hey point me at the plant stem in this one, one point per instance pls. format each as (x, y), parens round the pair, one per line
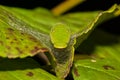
(65, 6)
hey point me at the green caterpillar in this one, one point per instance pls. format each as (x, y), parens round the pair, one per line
(60, 35)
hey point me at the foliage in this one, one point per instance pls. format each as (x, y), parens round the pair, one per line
(26, 33)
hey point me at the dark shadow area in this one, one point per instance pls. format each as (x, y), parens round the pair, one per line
(18, 64)
(97, 37)
(93, 5)
(88, 5)
(111, 26)
(30, 4)
(70, 76)
(23, 64)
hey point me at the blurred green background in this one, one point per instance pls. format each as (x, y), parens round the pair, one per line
(111, 26)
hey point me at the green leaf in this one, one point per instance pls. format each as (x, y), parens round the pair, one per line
(15, 38)
(23, 69)
(14, 43)
(101, 60)
(38, 24)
